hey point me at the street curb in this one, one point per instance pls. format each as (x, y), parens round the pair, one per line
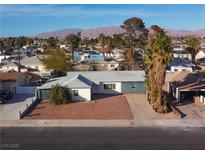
(103, 123)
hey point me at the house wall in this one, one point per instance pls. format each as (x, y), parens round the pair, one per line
(133, 87)
(83, 94)
(180, 69)
(177, 55)
(8, 85)
(117, 89)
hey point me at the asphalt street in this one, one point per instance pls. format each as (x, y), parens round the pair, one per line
(102, 138)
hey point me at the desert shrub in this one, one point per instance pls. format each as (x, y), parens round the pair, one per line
(58, 95)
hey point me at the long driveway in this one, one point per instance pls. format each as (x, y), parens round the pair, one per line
(102, 138)
(10, 110)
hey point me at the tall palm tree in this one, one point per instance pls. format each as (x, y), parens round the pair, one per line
(158, 54)
(194, 45)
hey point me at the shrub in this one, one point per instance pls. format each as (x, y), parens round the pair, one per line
(58, 95)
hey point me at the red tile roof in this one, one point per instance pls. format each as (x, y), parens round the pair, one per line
(10, 76)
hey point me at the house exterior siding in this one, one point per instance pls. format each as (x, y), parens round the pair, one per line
(133, 87)
(83, 94)
(102, 90)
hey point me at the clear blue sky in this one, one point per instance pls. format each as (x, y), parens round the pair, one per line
(18, 20)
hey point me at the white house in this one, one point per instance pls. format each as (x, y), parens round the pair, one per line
(181, 64)
(200, 55)
(3, 57)
(82, 85)
(33, 63)
(12, 66)
(181, 52)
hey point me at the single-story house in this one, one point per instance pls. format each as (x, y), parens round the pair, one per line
(82, 85)
(19, 83)
(185, 86)
(181, 64)
(33, 63)
(12, 66)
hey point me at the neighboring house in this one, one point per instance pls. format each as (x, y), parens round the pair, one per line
(27, 52)
(97, 66)
(3, 57)
(181, 64)
(47, 73)
(33, 63)
(181, 52)
(186, 86)
(19, 83)
(75, 56)
(91, 56)
(12, 66)
(82, 85)
(200, 55)
(106, 65)
(118, 54)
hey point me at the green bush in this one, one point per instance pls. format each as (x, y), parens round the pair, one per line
(58, 95)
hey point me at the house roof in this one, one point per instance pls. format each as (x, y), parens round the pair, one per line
(9, 76)
(84, 79)
(189, 81)
(181, 62)
(31, 61)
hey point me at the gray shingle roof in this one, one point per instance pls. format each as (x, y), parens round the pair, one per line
(81, 79)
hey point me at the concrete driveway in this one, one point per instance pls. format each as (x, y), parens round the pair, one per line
(142, 110)
(10, 110)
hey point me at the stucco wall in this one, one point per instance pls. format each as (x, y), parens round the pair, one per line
(83, 94)
(117, 89)
(180, 69)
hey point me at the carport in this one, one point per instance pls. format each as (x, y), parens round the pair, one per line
(186, 86)
(188, 95)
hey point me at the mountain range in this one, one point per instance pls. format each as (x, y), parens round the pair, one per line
(109, 31)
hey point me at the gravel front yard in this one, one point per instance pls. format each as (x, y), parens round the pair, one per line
(112, 107)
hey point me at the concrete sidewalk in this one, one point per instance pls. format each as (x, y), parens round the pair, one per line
(103, 123)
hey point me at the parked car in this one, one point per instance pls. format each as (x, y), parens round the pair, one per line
(5, 95)
(2, 101)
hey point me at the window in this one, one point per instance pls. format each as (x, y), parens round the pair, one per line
(175, 70)
(133, 85)
(183, 69)
(109, 86)
(75, 93)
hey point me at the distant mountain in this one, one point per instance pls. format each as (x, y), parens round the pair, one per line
(109, 31)
(95, 32)
(200, 32)
(58, 33)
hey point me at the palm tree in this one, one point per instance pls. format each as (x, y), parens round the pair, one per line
(158, 54)
(194, 45)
